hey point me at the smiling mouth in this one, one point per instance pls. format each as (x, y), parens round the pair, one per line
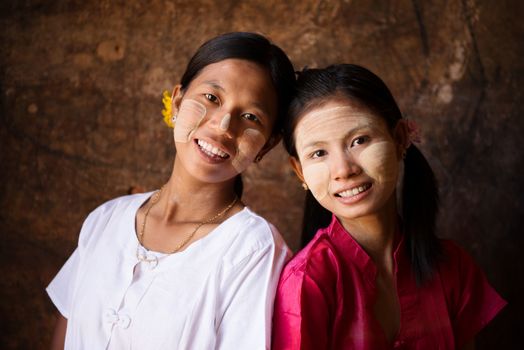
(211, 150)
(353, 191)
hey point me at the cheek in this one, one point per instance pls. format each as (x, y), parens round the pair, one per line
(317, 178)
(190, 115)
(224, 122)
(249, 144)
(379, 161)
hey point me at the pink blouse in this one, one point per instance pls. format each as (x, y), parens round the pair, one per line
(327, 291)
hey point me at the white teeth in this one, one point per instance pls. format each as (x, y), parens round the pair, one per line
(354, 191)
(209, 149)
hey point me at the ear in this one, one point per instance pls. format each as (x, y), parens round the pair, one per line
(401, 136)
(176, 98)
(272, 142)
(297, 168)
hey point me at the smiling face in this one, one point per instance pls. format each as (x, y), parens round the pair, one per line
(224, 119)
(348, 159)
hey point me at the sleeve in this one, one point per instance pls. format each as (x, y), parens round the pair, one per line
(246, 305)
(301, 319)
(60, 290)
(476, 302)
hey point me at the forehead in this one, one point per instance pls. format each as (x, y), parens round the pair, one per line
(236, 71)
(335, 120)
(245, 82)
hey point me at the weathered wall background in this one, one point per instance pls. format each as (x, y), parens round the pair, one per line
(80, 121)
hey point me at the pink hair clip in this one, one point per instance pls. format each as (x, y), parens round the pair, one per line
(413, 130)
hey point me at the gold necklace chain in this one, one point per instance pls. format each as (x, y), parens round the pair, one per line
(156, 197)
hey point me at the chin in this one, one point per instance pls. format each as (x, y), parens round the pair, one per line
(212, 176)
(353, 215)
(356, 211)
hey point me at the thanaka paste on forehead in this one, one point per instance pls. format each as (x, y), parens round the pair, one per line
(224, 122)
(189, 116)
(326, 124)
(378, 160)
(323, 125)
(249, 144)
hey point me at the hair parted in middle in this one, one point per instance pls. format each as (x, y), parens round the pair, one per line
(251, 47)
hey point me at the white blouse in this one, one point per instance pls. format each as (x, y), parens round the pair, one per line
(216, 294)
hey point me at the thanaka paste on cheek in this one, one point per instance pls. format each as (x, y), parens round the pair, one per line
(316, 176)
(224, 122)
(321, 126)
(249, 144)
(379, 161)
(189, 116)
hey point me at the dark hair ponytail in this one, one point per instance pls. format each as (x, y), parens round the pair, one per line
(238, 187)
(315, 217)
(419, 208)
(419, 197)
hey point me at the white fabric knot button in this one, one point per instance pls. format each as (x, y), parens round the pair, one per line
(143, 255)
(111, 316)
(124, 321)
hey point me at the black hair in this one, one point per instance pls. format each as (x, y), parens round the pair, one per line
(419, 195)
(251, 47)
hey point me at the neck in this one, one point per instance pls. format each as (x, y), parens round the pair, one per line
(186, 199)
(375, 233)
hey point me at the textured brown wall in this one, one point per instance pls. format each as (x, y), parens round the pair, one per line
(80, 121)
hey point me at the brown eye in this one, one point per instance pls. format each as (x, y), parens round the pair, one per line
(251, 117)
(359, 141)
(211, 97)
(318, 153)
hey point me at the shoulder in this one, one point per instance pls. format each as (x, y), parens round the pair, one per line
(310, 278)
(316, 261)
(460, 275)
(455, 258)
(472, 301)
(451, 248)
(108, 212)
(119, 204)
(250, 233)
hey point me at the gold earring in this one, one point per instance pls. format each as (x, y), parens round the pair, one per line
(304, 186)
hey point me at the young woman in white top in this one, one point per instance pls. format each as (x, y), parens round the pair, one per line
(188, 266)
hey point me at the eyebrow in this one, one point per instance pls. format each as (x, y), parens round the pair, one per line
(262, 108)
(350, 132)
(215, 84)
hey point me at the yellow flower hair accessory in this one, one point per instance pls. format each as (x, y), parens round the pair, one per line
(167, 112)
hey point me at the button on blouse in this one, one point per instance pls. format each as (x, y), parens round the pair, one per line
(116, 294)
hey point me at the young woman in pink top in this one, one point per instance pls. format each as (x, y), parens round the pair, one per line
(376, 276)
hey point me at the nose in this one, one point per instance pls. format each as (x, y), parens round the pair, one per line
(222, 123)
(343, 166)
